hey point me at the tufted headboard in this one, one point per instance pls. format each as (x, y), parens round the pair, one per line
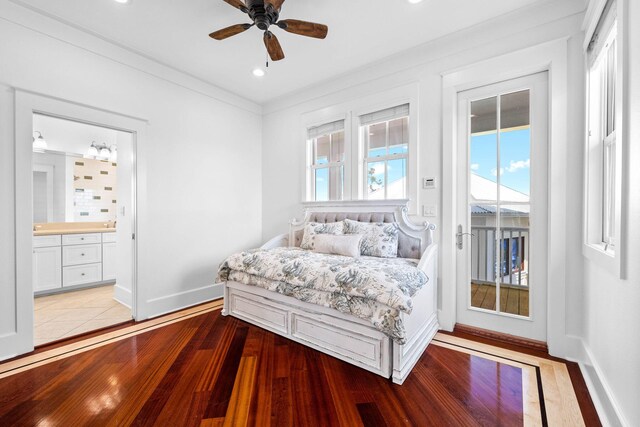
(413, 239)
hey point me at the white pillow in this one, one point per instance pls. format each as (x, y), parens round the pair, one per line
(346, 245)
(378, 239)
(312, 229)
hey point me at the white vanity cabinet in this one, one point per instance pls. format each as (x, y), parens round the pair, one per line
(70, 260)
(47, 268)
(109, 259)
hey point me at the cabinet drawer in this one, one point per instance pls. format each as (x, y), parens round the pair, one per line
(259, 312)
(81, 274)
(81, 254)
(109, 237)
(46, 241)
(81, 239)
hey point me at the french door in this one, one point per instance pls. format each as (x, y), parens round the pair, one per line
(502, 207)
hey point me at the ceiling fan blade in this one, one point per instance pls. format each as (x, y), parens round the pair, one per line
(230, 31)
(273, 46)
(309, 29)
(238, 4)
(277, 4)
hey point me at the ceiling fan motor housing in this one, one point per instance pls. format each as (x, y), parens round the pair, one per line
(261, 15)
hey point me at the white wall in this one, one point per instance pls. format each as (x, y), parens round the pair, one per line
(611, 314)
(283, 151)
(201, 155)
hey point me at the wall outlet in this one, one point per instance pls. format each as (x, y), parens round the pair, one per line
(428, 183)
(429, 210)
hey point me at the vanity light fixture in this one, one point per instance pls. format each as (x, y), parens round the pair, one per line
(39, 143)
(102, 150)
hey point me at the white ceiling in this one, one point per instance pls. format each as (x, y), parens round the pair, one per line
(175, 33)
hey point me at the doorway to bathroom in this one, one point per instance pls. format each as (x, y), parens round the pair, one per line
(82, 226)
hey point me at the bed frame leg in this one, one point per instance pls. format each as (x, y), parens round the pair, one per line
(225, 306)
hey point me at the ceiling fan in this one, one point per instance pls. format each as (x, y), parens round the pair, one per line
(265, 13)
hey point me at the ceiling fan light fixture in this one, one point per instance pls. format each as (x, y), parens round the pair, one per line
(258, 72)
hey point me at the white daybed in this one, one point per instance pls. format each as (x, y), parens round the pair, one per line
(342, 335)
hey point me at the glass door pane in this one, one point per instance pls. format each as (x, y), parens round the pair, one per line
(499, 186)
(515, 188)
(483, 197)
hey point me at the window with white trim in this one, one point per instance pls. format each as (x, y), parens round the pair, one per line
(327, 161)
(602, 60)
(384, 137)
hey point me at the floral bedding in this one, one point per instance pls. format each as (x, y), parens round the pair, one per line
(373, 289)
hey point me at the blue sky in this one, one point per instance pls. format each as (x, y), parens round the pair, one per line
(515, 154)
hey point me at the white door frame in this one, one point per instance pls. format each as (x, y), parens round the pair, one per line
(534, 326)
(551, 57)
(26, 104)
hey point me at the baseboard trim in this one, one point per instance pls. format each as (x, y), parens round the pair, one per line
(122, 295)
(506, 338)
(181, 300)
(606, 405)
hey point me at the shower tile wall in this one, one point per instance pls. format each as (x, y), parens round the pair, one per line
(94, 190)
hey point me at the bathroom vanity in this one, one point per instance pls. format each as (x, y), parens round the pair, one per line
(73, 255)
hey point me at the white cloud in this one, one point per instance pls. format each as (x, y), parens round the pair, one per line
(520, 164)
(513, 167)
(475, 166)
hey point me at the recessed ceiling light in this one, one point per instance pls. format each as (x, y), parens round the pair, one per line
(258, 72)
(414, 1)
(123, 1)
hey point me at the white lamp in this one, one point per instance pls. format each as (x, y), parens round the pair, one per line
(93, 150)
(39, 143)
(104, 152)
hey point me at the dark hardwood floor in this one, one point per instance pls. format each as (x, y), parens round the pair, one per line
(212, 370)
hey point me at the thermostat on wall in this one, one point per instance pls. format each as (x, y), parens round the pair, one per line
(428, 183)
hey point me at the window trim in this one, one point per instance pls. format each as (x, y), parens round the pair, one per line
(351, 112)
(594, 247)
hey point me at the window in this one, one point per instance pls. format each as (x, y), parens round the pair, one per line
(602, 160)
(363, 149)
(385, 151)
(326, 170)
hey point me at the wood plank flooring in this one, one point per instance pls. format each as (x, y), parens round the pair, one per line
(512, 300)
(204, 369)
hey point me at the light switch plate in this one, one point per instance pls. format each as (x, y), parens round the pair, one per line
(429, 210)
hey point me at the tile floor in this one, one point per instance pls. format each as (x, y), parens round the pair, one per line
(72, 313)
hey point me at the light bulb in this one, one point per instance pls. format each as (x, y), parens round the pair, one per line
(93, 151)
(39, 144)
(105, 152)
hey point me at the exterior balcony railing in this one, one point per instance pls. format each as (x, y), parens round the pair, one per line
(509, 259)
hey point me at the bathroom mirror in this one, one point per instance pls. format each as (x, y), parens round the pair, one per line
(74, 172)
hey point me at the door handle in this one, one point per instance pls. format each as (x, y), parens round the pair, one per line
(459, 235)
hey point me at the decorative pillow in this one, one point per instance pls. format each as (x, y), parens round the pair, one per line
(312, 229)
(338, 244)
(378, 238)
